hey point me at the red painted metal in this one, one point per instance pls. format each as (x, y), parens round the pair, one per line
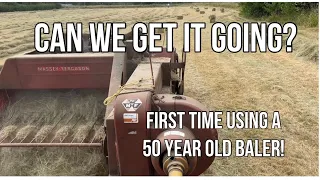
(129, 145)
(130, 136)
(170, 102)
(124, 141)
(57, 71)
(4, 99)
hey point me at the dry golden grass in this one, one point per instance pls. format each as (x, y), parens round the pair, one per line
(53, 116)
(225, 81)
(260, 81)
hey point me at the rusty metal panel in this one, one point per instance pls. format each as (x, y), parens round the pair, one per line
(68, 72)
(9, 78)
(57, 72)
(130, 136)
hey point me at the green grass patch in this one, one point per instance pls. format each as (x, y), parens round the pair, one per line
(302, 14)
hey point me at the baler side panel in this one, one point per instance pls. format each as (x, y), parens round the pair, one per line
(9, 77)
(64, 73)
(130, 136)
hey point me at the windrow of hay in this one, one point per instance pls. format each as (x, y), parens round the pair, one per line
(52, 115)
(305, 48)
(52, 162)
(45, 107)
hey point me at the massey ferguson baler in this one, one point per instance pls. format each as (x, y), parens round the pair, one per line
(127, 82)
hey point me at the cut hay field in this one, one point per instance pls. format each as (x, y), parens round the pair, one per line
(282, 82)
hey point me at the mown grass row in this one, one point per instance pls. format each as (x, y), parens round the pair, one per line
(13, 6)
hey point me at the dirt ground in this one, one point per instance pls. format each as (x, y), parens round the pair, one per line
(282, 82)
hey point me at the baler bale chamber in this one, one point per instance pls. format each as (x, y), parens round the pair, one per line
(84, 100)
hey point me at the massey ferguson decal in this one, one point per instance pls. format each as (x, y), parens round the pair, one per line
(131, 105)
(63, 68)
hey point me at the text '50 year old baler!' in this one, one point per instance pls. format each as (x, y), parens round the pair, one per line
(56, 100)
